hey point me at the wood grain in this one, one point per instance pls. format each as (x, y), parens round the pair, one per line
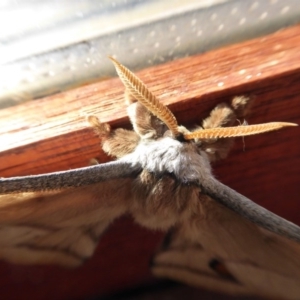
(51, 134)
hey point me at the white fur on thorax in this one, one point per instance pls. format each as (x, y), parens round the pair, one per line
(184, 160)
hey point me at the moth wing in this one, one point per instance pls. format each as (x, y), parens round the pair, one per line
(61, 227)
(221, 251)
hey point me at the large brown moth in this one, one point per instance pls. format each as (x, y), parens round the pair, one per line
(216, 238)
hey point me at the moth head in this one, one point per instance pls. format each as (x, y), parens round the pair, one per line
(138, 90)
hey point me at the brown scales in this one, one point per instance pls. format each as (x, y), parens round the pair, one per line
(211, 243)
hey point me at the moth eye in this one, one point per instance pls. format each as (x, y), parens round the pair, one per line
(220, 268)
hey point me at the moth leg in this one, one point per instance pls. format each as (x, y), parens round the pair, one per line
(221, 116)
(144, 123)
(103, 130)
(93, 162)
(117, 142)
(226, 115)
(242, 105)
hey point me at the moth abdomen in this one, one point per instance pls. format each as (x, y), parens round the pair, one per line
(160, 202)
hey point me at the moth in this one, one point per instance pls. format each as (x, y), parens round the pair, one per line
(216, 238)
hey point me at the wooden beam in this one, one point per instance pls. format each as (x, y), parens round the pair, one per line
(51, 133)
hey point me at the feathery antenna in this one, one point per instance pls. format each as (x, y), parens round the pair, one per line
(227, 132)
(140, 92)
